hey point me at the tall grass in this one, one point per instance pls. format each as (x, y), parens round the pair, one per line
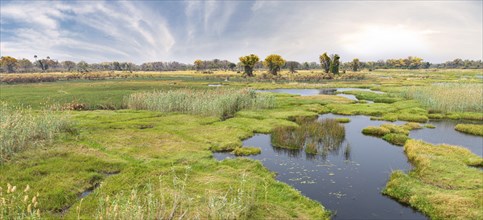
(162, 202)
(21, 129)
(313, 136)
(449, 97)
(221, 102)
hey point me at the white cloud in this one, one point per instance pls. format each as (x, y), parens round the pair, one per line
(298, 30)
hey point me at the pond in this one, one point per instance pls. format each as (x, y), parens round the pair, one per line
(349, 182)
(325, 91)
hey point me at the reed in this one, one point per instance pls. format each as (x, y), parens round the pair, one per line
(221, 102)
(313, 136)
(21, 129)
(448, 97)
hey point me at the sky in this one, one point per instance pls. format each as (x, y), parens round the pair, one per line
(148, 31)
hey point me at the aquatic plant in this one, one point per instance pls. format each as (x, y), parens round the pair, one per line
(448, 97)
(431, 126)
(475, 129)
(315, 136)
(22, 128)
(246, 151)
(220, 102)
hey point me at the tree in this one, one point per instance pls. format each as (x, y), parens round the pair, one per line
(355, 65)
(24, 64)
(306, 66)
(9, 63)
(292, 65)
(232, 66)
(334, 65)
(248, 62)
(82, 67)
(274, 62)
(198, 65)
(325, 62)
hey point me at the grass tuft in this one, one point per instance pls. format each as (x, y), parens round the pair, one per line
(246, 151)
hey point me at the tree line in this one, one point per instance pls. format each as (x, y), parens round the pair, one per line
(247, 64)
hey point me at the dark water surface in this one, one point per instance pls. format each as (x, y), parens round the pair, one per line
(348, 184)
(444, 133)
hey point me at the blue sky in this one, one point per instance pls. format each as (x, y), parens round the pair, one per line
(143, 31)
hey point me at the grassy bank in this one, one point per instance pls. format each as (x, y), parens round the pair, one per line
(475, 129)
(443, 183)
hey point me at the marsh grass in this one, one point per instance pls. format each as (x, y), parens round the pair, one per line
(394, 134)
(443, 183)
(448, 97)
(18, 203)
(313, 136)
(21, 129)
(221, 102)
(246, 151)
(475, 129)
(175, 202)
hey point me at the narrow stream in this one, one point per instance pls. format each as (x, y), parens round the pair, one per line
(349, 182)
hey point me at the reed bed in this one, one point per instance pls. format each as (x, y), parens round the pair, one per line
(449, 97)
(220, 102)
(21, 129)
(313, 136)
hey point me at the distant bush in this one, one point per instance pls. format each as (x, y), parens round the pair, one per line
(221, 102)
(21, 129)
(353, 75)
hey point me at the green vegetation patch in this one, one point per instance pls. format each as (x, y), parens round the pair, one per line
(443, 183)
(246, 151)
(475, 129)
(394, 134)
(375, 97)
(343, 120)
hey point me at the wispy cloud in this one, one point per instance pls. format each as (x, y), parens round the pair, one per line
(141, 31)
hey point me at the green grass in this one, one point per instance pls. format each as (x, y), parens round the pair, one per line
(121, 142)
(343, 120)
(442, 184)
(246, 151)
(394, 134)
(475, 129)
(222, 103)
(375, 97)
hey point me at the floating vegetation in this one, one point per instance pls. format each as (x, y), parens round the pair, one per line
(315, 137)
(343, 120)
(429, 126)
